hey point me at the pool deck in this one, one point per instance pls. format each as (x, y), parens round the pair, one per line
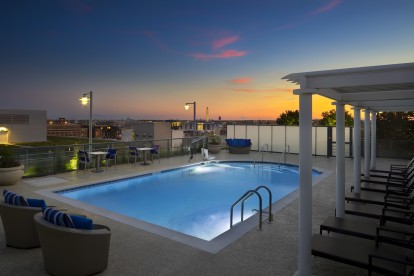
(272, 251)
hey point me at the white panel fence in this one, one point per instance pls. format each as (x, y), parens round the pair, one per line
(280, 138)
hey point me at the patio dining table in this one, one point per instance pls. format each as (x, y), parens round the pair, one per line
(144, 150)
(98, 160)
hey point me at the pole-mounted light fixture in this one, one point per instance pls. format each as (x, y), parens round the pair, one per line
(84, 100)
(187, 106)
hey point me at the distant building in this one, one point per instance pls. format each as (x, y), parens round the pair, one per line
(151, 131)
(63, 128)
(20, 126)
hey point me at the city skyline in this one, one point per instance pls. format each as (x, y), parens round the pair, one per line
(146, 59)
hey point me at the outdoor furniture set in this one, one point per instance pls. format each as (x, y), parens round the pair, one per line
(383, 241)
(71, 244)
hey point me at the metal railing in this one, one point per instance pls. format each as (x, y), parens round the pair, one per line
(46, 160)
(245, 197)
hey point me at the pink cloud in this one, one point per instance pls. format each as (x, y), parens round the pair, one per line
(224, 41)
(241, 80)
(327, 7)
(224, 54)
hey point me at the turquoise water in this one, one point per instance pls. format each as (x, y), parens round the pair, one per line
(194, 200)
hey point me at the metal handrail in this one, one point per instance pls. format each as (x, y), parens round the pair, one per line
(240, 199)
(194, 141)
(261, 150)
(270, 202)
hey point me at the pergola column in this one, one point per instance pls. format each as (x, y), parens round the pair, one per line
(340, 159)
(373, 139)
(367, 147)
(305, 186)
(357, 149)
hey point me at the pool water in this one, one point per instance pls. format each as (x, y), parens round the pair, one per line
(194, 200)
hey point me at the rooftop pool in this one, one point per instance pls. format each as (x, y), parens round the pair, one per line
(190, 204)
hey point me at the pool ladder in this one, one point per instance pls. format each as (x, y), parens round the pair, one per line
(245, 197)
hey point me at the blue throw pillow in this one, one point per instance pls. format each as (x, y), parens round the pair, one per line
(14, 199)
(33, 202)
(82, 222)
(58, 217)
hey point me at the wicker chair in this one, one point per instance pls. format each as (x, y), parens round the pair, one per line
(19, 226)
(68, 251)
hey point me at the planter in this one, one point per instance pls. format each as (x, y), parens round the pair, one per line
(214, 148)
(9, 176)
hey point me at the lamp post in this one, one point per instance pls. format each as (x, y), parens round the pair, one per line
(84, 100)
(187, 106)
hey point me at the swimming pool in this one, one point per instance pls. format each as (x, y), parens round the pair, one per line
(194, 200)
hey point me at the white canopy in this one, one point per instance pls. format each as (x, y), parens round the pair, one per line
(375, 89)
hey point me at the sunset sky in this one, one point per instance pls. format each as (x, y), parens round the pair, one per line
(145, 59)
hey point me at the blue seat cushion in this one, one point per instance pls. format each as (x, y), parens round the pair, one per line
(241, 143)
(57, 217)
(33, 202)
(81, 222)
(14, 199)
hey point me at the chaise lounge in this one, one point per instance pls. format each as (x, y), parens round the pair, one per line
(239, 146)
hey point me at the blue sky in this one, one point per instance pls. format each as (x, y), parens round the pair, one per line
(145, 59)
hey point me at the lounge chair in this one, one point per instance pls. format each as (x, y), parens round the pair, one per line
(390, 199)
(19, 226)
(110, 157)
(381, 213)
(388, 260)
(398, 168)
(68, 251)
(397, 234)
(394, 175)
(384, 186)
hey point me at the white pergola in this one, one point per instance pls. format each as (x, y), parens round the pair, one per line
(372, 89)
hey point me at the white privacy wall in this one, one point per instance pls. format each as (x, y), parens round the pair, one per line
(286, 138)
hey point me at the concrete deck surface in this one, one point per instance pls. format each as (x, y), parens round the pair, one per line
(272, 251)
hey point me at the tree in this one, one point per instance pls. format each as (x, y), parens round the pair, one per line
(395, 125)
(329, 118)
(288, 118)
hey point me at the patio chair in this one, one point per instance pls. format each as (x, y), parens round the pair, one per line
(110, 157)
(392, 198)
(155, 151)
(133, 153)
(17, 213)
(397, 234)
(388, 260)
(83, 158)
(382, 213)
(69, 251)
(384, 186)
(398, 168)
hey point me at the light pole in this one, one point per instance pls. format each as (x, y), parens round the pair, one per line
(187, 106)
(84, 100)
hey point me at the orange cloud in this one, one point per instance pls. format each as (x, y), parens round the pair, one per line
(329, 6)
(241, 80)
(225, 54)
(224, 41)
